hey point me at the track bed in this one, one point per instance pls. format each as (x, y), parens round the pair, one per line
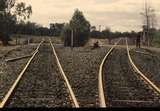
(149, 62)
(42, 84)
(123, 88)
(81, 66)
(9, 71)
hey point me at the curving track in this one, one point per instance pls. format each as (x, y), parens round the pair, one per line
(81, 67)
(148, 62)
(124, 85)
(140, 74)
(102, 100)
(43, 83)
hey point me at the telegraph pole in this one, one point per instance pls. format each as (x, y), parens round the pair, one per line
(146, 26)
(147, 21)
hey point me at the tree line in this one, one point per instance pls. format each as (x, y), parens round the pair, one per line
(13, 20)
(56, 29)
(108, 34)
(31, 28)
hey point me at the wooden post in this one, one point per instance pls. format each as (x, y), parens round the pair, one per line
(16, 40)
(28, 41)
(72, 39)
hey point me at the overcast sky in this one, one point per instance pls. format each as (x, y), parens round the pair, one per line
(119, 15)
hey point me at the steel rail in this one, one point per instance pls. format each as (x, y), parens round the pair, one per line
(150, 83)
(144, 53)
(5, 54)
(100, 78)
(17, 58)
(73, 97)
(11, 90)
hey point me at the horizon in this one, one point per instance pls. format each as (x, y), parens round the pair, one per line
(118, 15)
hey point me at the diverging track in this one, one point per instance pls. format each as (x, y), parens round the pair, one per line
(102, 100)
(142, 76)
(123, 85)
(147, 61)
(40, 84)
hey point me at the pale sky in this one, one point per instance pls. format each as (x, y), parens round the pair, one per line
(119, 15)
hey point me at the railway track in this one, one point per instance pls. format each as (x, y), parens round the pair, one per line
(6, 53)
(141, 75)
(81, 66)
(150, 66)
(12, 64)
(40, 83)
(72, 95)
(102, 100)
(121, 84)
(15, 54)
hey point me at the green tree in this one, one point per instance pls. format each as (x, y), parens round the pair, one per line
(22, 11)
(8, 17)
(80, 28)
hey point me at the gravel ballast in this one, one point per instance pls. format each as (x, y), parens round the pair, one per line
(9, 71)
(148, 62)
(42, 84)
(123, 86)
(81, 66)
